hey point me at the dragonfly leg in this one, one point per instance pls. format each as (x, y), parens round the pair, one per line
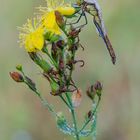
(86, 21)
(75, 22)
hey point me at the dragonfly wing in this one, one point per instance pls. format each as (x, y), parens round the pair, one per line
(96, 12)
(106, 40)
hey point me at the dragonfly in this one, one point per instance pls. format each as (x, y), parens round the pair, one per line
(92, 7)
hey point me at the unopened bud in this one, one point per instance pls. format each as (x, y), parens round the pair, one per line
(19, 67)
(41, 62)
(16, 76)
(76, 98)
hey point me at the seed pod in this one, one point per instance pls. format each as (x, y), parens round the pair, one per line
(90, 93)
(61, 64)
(89, 115)
(97, 88)
(94, 90)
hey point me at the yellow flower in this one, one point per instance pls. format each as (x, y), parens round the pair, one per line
(59, 5)
(31, 36)
(49, 22)
(48, 17)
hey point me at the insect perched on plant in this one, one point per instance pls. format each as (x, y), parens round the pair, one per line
(92, 7)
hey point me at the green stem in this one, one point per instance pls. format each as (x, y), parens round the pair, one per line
(64, 31)
(65, 101)
(73, 117)
(53, 61)
(46, 104)
(87, 122)
(44, 101)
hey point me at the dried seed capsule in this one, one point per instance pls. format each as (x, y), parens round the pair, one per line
(97, 88)
(90, 93)
(74, 33)
(76, 98)
(59, 19)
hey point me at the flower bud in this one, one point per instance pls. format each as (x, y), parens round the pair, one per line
(19, 67)
(76, 98)
(41, 62)
(16, 76)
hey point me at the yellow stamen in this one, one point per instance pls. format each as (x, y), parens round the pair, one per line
(31, 36)
(48, 18)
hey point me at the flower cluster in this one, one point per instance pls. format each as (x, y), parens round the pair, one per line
(32, 33)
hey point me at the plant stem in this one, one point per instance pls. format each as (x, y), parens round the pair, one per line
(65, 101)
(87, 122)
(73, 117)
(53, 61)
(44, 101)
(46, 104)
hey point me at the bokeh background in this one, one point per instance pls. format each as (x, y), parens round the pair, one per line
(22, 117)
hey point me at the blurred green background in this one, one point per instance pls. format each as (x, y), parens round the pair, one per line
(21, 115)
